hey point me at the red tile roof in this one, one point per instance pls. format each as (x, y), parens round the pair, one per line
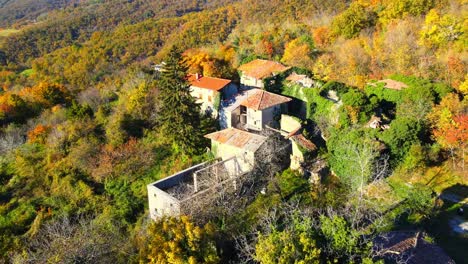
(238, 138)
(261, 99)
(260, 69)
(210, 83)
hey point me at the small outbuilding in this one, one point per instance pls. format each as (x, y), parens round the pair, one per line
(255, 72)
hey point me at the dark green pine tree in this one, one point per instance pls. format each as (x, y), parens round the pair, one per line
(179, 114)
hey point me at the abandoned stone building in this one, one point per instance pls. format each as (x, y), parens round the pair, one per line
(231, 142)
(184, 191)
(300, 79)
(187, 190)
(253, 110)
(255, 72)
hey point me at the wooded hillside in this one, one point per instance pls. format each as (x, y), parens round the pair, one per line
(83, 128)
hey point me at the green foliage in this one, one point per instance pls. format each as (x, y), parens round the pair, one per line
(420, 200)
(383, 93)
(179, 114)
(396, 9)
(349, 23)
(79, 111)
(416, 157)
(291, 183)
(403, 133)
(357, 106)
(293, 245)
(353, 155)
(337, 231)
(125, 205)
(217, 101)
(316, 106)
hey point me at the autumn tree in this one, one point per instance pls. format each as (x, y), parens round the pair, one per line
(76, 240)
(178, 240)
(440, 30)
(449, 123)
(50, 94)
(350, 22)
(321, 36)
(214, 65)
(396, 9)
(13, 108)
(294, 244)
(38, 134)
(179, 114)
(298, 52)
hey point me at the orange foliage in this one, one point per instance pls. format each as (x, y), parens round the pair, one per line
(130, 158)
(321, 36)
(457, 133)
(46, 94)
(456, 69)
(38, 134)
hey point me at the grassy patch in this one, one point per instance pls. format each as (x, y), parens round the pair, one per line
(7, 32)
(27, 72)
(437, 178)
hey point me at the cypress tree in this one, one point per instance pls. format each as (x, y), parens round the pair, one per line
(179, 114)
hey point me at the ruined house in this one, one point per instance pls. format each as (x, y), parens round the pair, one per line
(186, 191)
(375, 122)
(300, 79)
(231, 142)
(254, 109)
(409, 247)
(189, 190)
(255, 72)
(291, 129)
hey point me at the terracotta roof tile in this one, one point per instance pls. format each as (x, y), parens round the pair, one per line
(262, 99)
(260, 69)
(238, 138)
(210, 83)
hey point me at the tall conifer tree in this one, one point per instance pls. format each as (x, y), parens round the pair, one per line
(179, 113)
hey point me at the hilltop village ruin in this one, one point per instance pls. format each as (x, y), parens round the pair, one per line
(245, 113)
(248, 115)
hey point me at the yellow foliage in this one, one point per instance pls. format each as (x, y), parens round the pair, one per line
(464, 86)
(178, 240)
(440, 30)
(298, 53)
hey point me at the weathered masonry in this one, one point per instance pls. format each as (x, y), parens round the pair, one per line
(254, 109)
(188, 190)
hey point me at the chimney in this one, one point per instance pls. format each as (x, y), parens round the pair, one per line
(197, 76)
